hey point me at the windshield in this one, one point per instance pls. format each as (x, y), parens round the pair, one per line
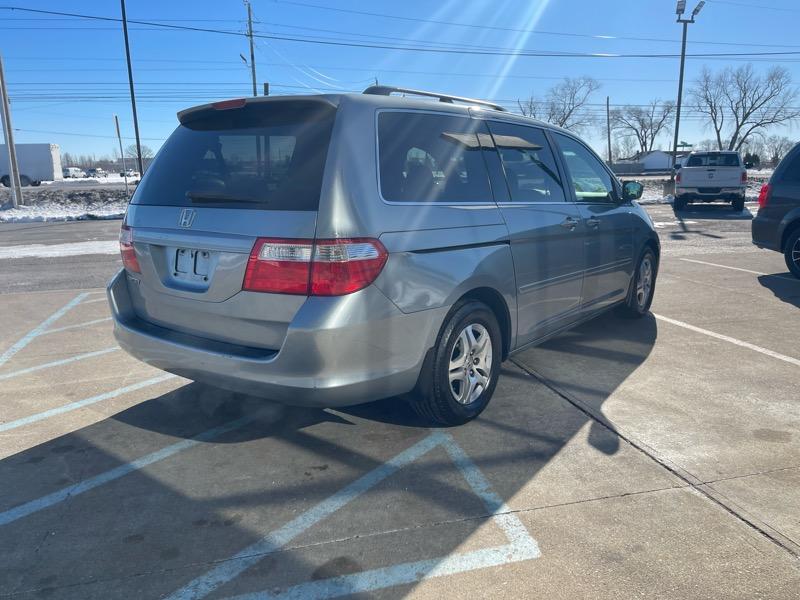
(264, 155)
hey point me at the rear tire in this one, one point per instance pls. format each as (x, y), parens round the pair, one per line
(791, 253)
(738, 205)
(643, 285)
(679, 204)
(5, 180)
(465, 367)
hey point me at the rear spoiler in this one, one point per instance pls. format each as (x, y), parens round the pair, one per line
(195, 112)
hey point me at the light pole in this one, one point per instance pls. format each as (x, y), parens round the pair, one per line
(679, 10)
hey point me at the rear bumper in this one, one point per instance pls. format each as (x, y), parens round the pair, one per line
(766, 232)
(338, 351)
(693, 193)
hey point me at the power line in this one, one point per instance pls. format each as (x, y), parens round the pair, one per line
(408, 48)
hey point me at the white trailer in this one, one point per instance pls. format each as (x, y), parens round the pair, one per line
(37, 163)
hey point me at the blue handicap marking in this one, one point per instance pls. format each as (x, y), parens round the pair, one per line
(521, 546)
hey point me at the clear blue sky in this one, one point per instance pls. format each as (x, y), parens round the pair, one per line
(67, 76)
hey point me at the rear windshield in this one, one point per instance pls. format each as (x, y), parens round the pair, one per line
(713, 160)
(265, 155)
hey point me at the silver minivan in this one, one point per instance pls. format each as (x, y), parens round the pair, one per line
(331, 250)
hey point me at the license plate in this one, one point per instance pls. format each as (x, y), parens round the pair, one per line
(192, 264)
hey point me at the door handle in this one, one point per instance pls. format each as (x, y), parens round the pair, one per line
(570, 223)
(593, 222)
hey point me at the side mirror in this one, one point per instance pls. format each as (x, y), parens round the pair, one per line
(632, 190)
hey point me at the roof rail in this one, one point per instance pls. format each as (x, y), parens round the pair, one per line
(387, 90)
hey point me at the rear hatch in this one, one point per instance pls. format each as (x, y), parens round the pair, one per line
(231, 173)
(712, 171)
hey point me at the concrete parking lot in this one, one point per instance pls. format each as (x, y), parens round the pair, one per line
(656, 458)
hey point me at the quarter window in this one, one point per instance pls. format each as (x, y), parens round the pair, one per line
(431, 158)
(528, 163)
(591, 181)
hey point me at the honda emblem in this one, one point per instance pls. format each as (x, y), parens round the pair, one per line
(187, 217)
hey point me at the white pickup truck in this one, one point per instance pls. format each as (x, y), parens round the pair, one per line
(710, 176)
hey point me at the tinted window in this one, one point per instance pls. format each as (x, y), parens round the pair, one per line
(713, 159)
(268, 155)
(589, 177)
(792, 170)
(528, 162)
(431, 158)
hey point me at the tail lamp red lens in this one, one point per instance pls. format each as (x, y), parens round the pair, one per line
(744, 176)
(126, 249)
(313, 268)
(678, 177)
(763, 195)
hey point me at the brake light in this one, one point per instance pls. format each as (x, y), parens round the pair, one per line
(229, 104)
(126, 249)
(322, 268)
(744, 176)
(763, 195)
(678, 177)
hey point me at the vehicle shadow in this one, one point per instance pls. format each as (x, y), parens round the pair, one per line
(716, 211)
(197, 506)
(785, 286)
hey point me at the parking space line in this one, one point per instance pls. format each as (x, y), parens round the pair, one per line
(76, 326)
(28, 508)
(710, 264)
(82, 403)
(771, 353)
(247, 557)
(57, 363)
(40, 328)
(103, 299)
(521, 547)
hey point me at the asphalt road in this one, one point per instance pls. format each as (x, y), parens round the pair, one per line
(655, 458)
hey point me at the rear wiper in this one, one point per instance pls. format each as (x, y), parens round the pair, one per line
(217, 197)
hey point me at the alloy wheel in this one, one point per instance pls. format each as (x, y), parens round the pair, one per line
(470, 366)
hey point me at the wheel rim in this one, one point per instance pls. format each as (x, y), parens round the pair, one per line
(796, 253)
(470, 364)
(645, 282)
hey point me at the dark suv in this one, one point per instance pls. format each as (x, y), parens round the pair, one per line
(777, 224)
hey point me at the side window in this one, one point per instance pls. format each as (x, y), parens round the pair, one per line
(528, 163)
(431, 158)
(589, 178)
(792, 172)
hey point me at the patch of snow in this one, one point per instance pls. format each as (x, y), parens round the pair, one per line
(58, 250)
(55, 211)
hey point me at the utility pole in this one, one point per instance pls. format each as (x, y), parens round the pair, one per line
(679, 9)
(5, 115)
(252, 51)
(133, 94)
(608, 126)
(122, 156)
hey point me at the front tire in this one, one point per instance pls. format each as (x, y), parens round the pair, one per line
(643, 285)
(465, 367)
(792, 253)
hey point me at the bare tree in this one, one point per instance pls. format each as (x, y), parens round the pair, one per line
(740, 102)
(130, 151)
(707, 144)
(564, 104)
(645, 123)
(776, 147)
(624, 146)
(528, 107)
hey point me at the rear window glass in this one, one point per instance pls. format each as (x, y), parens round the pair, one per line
(713, 160)
(431, 158)
(264, 155)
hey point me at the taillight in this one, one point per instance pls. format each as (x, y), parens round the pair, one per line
(678, 177)
(322, 268)
(744, 176)
(129, 260)
(763, 195)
